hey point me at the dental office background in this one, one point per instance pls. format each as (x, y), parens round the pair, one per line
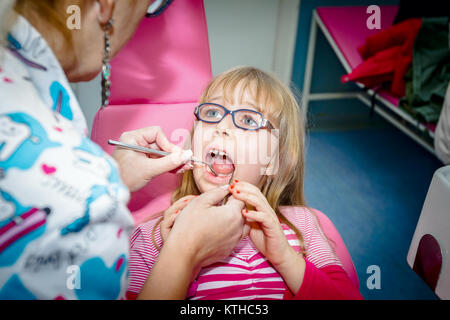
(273, 35)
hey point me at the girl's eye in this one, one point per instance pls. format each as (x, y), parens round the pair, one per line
(212, 113)
(249, 121)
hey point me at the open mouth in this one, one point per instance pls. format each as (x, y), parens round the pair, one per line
(220, 161)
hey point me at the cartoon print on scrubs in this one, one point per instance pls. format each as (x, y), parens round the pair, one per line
(97, 279)
(14, 289)
(22, 140)
(62, 202)
(92, 158)
(60, 99)
(19, 226)
(28, 46)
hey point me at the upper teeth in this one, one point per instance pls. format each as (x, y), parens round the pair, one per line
(217, 152)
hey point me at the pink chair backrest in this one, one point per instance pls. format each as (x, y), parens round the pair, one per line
(156, 80)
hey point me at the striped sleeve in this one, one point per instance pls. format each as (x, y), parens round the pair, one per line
(143, 254)
(324, 276)
(318, 249)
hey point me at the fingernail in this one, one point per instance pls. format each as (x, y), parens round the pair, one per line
(177, 211)
(186, 155)
(232, 186)
(236, 180)
(246, 210)
(237, 191)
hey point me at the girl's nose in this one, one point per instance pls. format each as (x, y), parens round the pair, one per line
(225, 126)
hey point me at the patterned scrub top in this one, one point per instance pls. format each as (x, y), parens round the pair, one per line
(64, 223)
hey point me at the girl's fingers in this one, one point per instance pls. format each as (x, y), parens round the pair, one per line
(251, 195)
(266, 220)
(171, 214)
(178, 205)
(254, 216)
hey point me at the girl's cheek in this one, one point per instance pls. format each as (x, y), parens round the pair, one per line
(254, 152)
(249, 173)
(253, 149)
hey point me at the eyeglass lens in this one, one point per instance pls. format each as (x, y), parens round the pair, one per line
(157, 7)
(245, 119)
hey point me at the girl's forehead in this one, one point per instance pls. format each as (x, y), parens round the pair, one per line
(235, 99)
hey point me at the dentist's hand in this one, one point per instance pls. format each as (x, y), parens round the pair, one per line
(137, 168)
(201, 234)
(171, 213)
(208, 232)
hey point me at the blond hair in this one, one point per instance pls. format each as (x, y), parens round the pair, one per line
(279, 104)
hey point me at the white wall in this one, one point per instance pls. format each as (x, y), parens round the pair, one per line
(259, 33)
(89, 96)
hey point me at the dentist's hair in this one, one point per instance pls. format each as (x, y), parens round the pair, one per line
(50, 14)
(279, 104)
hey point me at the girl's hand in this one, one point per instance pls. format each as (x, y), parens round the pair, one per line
(265, 229)
(268, 236)
(171, 214)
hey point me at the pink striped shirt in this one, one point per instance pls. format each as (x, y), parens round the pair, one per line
(246, 273)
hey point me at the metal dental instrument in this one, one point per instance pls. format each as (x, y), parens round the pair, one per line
(153, 151)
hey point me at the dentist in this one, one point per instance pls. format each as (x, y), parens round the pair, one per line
(64, 223)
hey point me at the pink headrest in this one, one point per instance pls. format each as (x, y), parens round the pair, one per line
(167, 60)
(156, 80)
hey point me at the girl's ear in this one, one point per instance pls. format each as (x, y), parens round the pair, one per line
(105, 10)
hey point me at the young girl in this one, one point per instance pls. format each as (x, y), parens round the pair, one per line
(250, 129)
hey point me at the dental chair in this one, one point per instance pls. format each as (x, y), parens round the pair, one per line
(156, 80)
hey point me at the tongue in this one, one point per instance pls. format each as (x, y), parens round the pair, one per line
(223, 168)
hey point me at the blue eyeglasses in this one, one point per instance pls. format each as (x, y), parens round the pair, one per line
(245, 119)
(157, 7)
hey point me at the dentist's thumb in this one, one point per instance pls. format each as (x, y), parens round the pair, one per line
(212, 197)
